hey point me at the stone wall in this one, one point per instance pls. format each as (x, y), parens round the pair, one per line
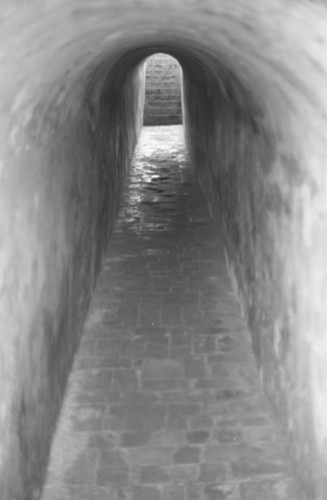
(71, 101)
(162, 91)
(60, 190)
(259, 189)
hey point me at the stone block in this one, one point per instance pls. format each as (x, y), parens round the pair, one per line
(274, 489)
(154, 474)
(124, 380)
(112, 477)
(162, 369)
(146, 493)
(213, 473)
(132, 439)
(158, 455)
(81, 470)
(187, 455)
(221, 492)
(184, 473)
(195, 367)
(174, 492)
(197, 437)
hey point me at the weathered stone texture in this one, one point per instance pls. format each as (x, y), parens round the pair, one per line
(163, 439)
(163, 97)
(71, 102)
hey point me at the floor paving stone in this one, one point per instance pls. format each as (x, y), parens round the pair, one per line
(163, 402)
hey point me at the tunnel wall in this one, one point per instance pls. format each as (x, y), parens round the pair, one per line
(258, 190)
(58, 207)
(50, 135)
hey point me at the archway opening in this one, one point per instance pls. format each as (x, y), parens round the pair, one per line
(163, 94)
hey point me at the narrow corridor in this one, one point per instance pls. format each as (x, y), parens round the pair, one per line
(164, 401)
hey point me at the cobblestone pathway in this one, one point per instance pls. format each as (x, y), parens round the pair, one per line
(163, 402)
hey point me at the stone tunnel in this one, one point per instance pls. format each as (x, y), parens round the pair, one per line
(254, 110)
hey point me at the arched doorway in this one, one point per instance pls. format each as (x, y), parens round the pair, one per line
(163, 96)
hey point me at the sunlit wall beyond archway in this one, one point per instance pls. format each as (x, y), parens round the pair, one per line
(163, 96)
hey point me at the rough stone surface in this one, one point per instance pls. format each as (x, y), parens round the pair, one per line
(166, 435)
(163, 96)
(254, 74)
(256, 195)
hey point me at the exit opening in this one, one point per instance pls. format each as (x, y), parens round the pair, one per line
(163, 95)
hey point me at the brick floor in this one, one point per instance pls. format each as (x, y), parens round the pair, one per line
(163, 401)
